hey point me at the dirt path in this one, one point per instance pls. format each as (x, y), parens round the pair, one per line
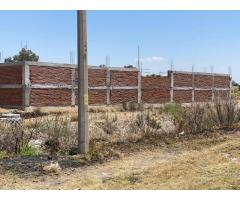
(93, 177)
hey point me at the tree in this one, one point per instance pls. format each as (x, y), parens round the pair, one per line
(23, 55)
(234, 83)
(128, 66)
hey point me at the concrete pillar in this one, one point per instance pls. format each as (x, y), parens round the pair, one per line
(230, 92)
(171, 86)
(108, 89)
(26, 85)
(139, 87)
(213, 87)
(83, 135)
(73, 97)
(193, 85)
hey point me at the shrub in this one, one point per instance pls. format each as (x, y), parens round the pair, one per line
(55, 131)
(132, 106)
(28, 151)
(108, 124)
(37, 112)
(13, 138)
(225, 114)
(3, 154)
(177, 111)
(146, 123)
(197, 120)
(207, 117)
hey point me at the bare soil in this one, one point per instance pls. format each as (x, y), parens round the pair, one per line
(200, 163)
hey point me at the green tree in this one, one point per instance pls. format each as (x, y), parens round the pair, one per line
(234, 83)
(23, 55)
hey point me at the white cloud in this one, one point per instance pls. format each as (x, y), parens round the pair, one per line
(153, 59)
(153, 64)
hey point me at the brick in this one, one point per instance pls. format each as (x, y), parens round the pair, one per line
(124, 78)
(50, 97)
(96, 97)
(222, 81)
(50, 75)
(121, 96)
(96, 77)
(12, 97)
(155, 89)
(203, 96)
(11, 75)
(182, 96)
(182, 80)
(203, 81)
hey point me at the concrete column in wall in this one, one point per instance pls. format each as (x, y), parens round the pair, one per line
(108, 80)
(193, 85)
(139, 87)
(73, 97)
(230, 91)
(171, 86)
(26, 85)
(213, 87)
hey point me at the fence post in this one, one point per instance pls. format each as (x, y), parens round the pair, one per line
(230, 91)
(213, 85)
(26, 85)
(171, 86)
(108, 86)
(193, 85)
(139, 87)
(73, 87)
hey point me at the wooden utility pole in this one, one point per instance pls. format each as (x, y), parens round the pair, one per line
(83, 137)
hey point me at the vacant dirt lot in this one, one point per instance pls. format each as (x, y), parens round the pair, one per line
(200, 163)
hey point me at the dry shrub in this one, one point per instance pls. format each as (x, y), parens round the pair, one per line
(219, 115)
(74, 117)
(177, 112)
(13, 138)
(146, 123)
(132, 106)
(55, 131)
(225, 114)
(108, 124)
(197, 120)
(36, 112)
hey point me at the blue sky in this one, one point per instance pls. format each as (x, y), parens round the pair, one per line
(202, 38)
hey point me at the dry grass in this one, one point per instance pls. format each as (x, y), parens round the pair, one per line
(200, 163)
(214, 168)
(3, 110)
(143, 150)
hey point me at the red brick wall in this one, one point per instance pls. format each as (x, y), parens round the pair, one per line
(12, 97)
(182, 96)
(96, 97)
(203, 81)
(182, 80)
(155, 89)
(124, 78)
(121, 96)
(221, 81)
(96, 77)
(11, 75)
(50, 75)
(203, 95)
(221, 94)
(50, 97)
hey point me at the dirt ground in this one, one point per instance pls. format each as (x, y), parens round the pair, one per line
(203, 163)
